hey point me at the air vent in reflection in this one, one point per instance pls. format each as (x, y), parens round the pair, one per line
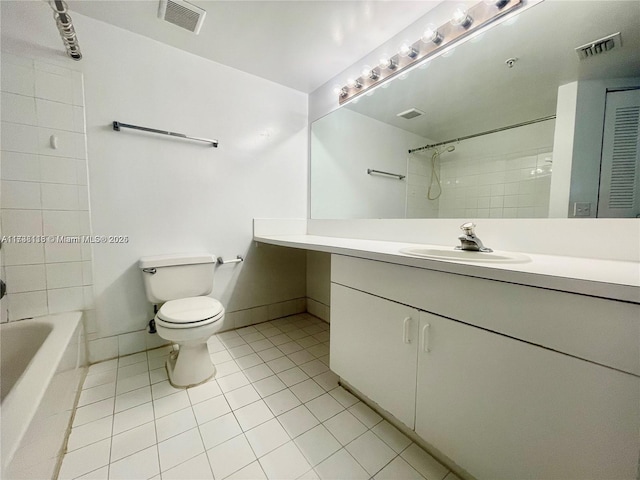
(411, 113)
(598, 47)
(182, 14)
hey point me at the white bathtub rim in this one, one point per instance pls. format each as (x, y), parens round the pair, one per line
(24, 398)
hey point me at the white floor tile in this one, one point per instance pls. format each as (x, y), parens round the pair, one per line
(260, 345)
(133, 417)
(310, 475)
(290, 347)
(367, 416)
(270, 354)
(317, 444)
(129, 384)
(204, 392)
(284, 463)
(240, 397)
(131, 359)
(246, 331)
(253, 337)
(88, 433)
(143, 464)
(249, 361)
(390, 435)
(282, 401)
(240, 351)
(175, 423)
(132, 441)
(230, 456)
(298, 421)
(162, 389)
(370, 452)
(158, 375)
(398, 469)
(424, 463)
(233, 381)
(267, 437)
(253, 415)
(93, 412)
(269, 386)
(258, 372)
(99, 474)
(314, 367)
(253, 471)
(133, 399)
(210, 409)
(292, 376)
(221, 357)
(99, 379)
(131, 370)
(345, 427)
(85, 460)
(280, 339)
(226, 368)
(341, 465)
(96, 394)
(171, 403)
(307, 341)
(180, 448)
(197, 468)
(307, 390)
(301, 357)
(219, 430)
(103, 367)
(327, 380)
(344, 397)
(324, 407)
(280, 364)
(318, 350)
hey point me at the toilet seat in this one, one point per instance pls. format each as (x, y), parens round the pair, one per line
(189, 312)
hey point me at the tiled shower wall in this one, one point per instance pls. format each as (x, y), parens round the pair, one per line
(503, 175)
(44, 190)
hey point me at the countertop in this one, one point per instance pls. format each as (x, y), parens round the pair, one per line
(616, 280)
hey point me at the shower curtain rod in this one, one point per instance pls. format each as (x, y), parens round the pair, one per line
(495, 130)
(65, 26)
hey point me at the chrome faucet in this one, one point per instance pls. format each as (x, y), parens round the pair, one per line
(469, 241)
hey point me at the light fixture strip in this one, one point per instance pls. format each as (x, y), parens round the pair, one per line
(481, 14)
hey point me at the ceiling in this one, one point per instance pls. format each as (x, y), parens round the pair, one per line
(301, 44)
(474, 91)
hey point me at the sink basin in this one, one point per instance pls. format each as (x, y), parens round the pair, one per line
(450, 254)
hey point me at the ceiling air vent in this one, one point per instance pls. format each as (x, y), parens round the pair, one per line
(182, 14)
(598, 47)
(411, 113)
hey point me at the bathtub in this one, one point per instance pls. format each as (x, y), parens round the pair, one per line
(42, 364)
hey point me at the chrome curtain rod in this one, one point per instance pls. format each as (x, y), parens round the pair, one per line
(495, 130)
(118, 125)
(65, 26)
(380, 172)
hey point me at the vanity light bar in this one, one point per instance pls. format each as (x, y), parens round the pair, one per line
(435, 40)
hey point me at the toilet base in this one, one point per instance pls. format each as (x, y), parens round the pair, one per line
(189, 366)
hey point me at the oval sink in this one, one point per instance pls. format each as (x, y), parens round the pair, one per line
(451, 254)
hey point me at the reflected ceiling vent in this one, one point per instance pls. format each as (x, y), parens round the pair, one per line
(411, 113)
(598, 47)
(182, 14)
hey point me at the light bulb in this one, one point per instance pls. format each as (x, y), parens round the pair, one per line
(497, 3)
(431, 34)
(353, 83)
(341, 91)
(387, 62)
(407, 50)
(369, 72)
(460, 17)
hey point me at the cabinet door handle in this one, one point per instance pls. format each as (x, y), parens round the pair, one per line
(425, 338)
(405, 330)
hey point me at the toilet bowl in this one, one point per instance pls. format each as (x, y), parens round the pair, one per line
(187, 317)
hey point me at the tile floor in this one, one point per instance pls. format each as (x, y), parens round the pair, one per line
(274, 411)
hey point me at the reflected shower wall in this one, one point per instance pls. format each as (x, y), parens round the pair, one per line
(500, 175)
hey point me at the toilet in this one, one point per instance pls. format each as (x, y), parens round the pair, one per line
(188, 317)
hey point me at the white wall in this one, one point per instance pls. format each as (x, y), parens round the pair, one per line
(343, 146)
(169, 195)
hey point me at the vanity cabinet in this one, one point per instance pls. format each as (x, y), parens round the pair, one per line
(488, 393)
(374, 345)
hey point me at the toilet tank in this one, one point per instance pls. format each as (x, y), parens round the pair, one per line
(169, 277)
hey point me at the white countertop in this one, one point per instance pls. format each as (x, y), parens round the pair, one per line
(618, 280)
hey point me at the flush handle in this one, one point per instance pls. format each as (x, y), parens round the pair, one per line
(152, 271)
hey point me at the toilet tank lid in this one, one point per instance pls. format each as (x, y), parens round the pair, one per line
(175, 259)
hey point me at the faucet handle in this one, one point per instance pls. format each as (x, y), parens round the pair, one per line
(467, 228)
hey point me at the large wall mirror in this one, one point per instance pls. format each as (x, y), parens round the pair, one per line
(515, 124)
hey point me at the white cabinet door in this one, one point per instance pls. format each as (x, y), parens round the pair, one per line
(374, 348)
(505, 409)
